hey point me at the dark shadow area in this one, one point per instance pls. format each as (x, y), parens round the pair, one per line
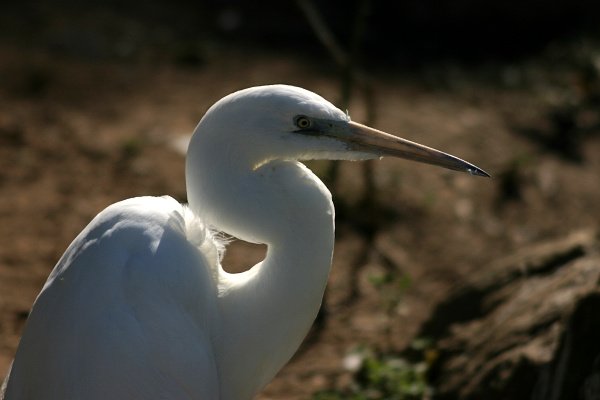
(405, 34)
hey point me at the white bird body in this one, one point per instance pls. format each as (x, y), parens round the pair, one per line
(129, 323)
(139, 306)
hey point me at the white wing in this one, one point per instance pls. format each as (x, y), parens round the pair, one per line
(125, 314)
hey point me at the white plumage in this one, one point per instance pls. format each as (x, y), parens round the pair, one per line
(139, 307)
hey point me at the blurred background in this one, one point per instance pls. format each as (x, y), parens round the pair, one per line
(444, 285)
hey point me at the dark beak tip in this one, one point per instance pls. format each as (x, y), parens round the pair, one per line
(475, 171)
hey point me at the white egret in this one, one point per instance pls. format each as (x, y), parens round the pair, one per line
(139, 307)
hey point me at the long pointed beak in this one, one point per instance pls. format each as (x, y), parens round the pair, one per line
(364, 138)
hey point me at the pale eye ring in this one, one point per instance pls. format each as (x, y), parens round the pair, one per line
(302, 122)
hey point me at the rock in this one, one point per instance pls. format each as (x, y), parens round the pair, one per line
(524, 327)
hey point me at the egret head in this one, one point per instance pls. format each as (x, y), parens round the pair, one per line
(237, 162)
(287, 122)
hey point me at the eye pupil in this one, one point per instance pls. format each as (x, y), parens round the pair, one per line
(302, 122)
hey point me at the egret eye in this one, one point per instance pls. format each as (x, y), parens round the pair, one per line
(302, 122)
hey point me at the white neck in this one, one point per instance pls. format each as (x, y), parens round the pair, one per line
(265, 312)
